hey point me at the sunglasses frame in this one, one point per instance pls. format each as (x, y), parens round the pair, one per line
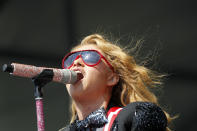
(101, 56)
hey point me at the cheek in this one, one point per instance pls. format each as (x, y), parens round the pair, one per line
(96, 75)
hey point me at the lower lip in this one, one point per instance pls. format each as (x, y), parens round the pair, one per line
(77, 82)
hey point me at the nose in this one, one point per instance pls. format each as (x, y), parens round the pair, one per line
(78, 61)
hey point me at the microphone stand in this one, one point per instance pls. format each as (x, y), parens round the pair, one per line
(39, 109)
(40, 81)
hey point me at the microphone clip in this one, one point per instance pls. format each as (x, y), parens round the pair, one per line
(41, 80)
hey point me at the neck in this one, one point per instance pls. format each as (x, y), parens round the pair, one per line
(84, 108)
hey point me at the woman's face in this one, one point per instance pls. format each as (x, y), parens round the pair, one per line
(95, 79)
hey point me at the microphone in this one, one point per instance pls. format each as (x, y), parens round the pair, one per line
(59, 75)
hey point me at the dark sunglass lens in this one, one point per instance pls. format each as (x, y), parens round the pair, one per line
(70, 59)
(90, 57)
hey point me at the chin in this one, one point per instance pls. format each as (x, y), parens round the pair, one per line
(75, 89)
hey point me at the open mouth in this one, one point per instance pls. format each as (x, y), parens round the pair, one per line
(79, 75)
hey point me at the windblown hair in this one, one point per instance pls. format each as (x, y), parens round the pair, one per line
(135, 81)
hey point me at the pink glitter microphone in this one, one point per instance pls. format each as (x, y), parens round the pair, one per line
(59, 75)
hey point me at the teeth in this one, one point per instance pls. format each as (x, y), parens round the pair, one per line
(78, 71)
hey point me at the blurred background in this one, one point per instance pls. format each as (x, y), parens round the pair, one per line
(41, 32)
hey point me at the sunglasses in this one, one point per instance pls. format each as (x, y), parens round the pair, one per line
(89, 57)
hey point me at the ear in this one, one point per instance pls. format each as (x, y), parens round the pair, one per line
(113, 79)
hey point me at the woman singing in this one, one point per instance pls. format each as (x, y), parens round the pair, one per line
(114, 93)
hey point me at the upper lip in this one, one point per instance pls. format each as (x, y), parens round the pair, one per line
(78, 69)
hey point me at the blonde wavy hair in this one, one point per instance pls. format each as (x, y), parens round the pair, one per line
(135, 80)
